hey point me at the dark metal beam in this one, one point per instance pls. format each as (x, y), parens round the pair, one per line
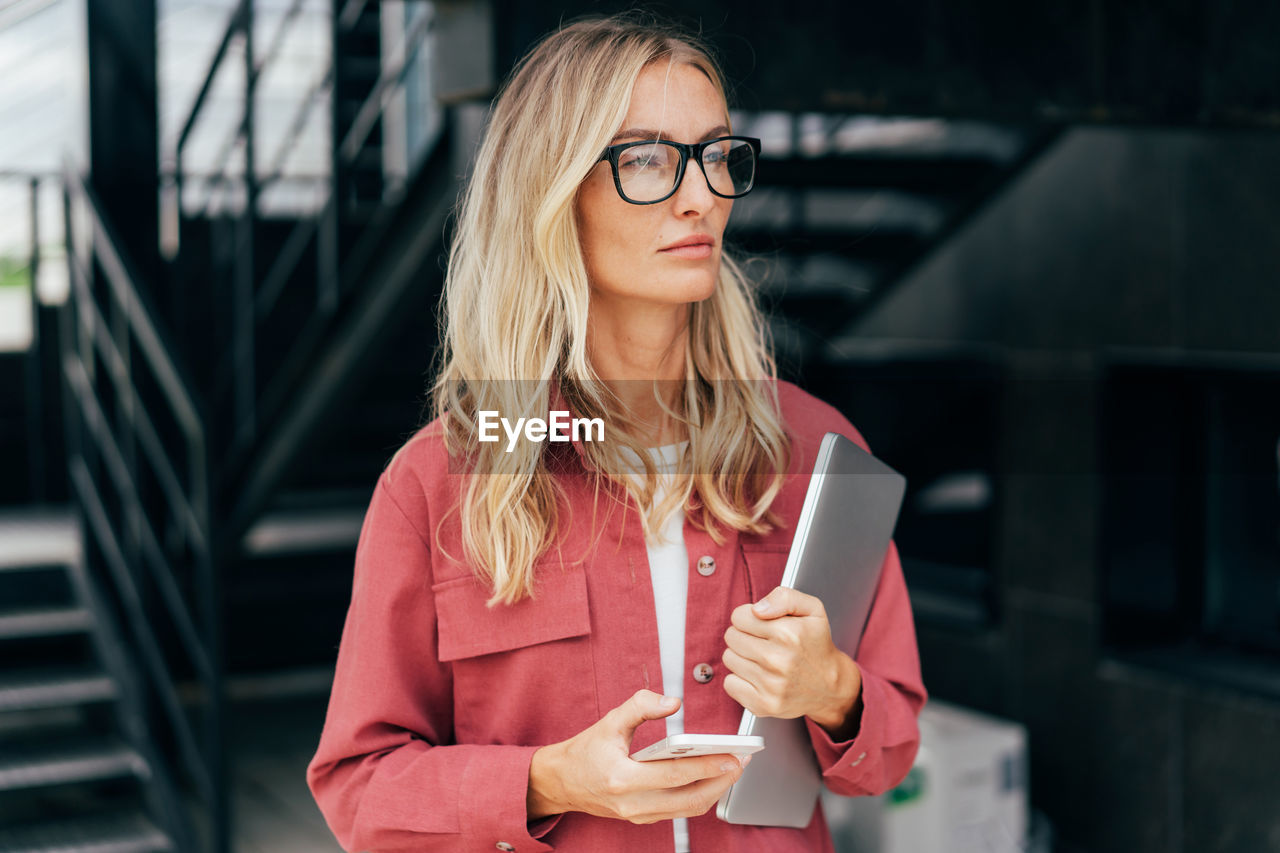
(124, 128)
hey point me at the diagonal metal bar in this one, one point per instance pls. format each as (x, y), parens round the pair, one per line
(277, 40)
(350, 13)
(296, 126)
(234, 25)
(15, 12)
(286, 261)
(93, 325)
(111, 649)
(161, 570)
(143, 635)
(123, 288)
(219, 177)
(392, 76)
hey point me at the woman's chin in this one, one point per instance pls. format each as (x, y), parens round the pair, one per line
(692, 289)
(687, 296)
(666, 293)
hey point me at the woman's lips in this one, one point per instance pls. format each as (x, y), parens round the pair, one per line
(692, 251)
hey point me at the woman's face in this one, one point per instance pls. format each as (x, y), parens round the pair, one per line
(667, 252)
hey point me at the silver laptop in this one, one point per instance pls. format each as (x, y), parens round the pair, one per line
(840, 542)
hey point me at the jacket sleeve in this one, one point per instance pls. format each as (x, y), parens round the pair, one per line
(880, 755)
(387, 775)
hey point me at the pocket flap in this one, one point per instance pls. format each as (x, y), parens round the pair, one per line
(765, 567)
(467, 627)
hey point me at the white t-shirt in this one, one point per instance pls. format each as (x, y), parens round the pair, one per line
(669, 573)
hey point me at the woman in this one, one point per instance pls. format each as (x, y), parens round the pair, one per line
(526, 613)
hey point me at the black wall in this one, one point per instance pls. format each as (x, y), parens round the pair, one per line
(1118, 245)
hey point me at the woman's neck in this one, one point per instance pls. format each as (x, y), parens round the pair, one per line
(631, 347)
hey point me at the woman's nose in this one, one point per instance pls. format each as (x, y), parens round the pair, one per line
(694, 193)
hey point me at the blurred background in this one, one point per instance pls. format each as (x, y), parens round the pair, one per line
(1032, 250)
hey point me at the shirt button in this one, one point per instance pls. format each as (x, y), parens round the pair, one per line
(858, 760)
(505, 847)
(703, 672)
(706, 566)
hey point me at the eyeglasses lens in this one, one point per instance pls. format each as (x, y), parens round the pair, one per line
(730, 165)
(648, 172)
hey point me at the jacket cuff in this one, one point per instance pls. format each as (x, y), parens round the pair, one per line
(495, 791)
(848, 763)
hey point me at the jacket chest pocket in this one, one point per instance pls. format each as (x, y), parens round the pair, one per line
(523, 673)
(765, 565)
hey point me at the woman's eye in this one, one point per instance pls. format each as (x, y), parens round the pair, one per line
(643, 158)
(715, 156)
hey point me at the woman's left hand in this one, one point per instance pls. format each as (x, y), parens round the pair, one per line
(783, 663)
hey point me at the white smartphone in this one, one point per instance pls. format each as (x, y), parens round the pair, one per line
(685, 745)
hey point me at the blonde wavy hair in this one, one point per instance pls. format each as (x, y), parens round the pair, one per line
(516, 303)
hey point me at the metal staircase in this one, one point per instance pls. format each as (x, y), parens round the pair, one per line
(77, 773)
(847, 205)
(111, 714)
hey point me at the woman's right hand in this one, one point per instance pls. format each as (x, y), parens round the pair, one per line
(593, 771)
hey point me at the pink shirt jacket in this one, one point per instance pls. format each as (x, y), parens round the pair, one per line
(439, 702)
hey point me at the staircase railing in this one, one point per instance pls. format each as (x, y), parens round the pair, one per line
(139, 467)
(250, 387)
(143, 450)
(149, 449)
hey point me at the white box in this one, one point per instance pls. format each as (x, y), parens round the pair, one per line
(966, 793)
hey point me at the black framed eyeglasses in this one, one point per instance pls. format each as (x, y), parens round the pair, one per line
(650, 171)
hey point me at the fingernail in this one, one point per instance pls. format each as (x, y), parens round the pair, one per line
(763, 607)
(669, 702)
(729, 766)
(746, 759)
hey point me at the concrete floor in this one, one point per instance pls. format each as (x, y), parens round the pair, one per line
(271, 741)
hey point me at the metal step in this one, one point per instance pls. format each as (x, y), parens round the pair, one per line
(44, 622)
(295, 531)
(54, 689)
(131, 833)
(38, 537)
(34, 764)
